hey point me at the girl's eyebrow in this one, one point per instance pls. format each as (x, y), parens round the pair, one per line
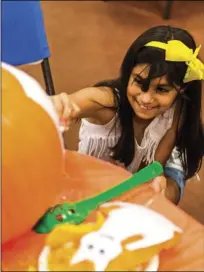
(138, 75)
(164, 85)
(160, 84)
(168, 86)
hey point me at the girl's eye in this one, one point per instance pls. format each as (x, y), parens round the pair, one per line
(137, 81)
(162, 90)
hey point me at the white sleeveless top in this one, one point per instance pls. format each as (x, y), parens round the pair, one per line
(96, 140)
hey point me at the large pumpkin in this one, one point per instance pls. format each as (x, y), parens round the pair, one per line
(32, 153)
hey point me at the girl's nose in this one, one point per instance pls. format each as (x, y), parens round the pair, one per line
(146, 98)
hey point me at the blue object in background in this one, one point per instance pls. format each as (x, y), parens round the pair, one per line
(23, 35)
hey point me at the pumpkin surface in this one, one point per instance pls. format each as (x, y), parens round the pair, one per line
(32, 153)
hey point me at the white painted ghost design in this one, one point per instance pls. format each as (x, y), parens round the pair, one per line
(126, 221)
(104, 245)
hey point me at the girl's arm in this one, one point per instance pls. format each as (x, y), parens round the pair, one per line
(163, 153)
(172, 192)
(174, 173)
(166, 146)
(175, 183)
(94, 102)
(168, 142)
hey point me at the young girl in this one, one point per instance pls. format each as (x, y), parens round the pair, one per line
(152, 111)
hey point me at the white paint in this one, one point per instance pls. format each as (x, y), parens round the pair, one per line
(104, 245)
(154, 227)
(122, 223)
(111, 250)
(153, 264)
(43, 259)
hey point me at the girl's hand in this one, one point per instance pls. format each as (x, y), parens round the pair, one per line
(67, 111)
(166, 186)
(159, 185)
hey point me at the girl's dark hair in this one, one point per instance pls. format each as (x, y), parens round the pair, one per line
(190, 135)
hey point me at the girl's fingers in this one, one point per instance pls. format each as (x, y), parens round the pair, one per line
(57, 104)
(76, 108)
(73, 113)
(159, 184)
(62, 129)
(67, 108)
(71, 110)
(67, 112)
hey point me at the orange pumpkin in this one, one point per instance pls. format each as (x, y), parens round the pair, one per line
(32, 153)
(89, 176)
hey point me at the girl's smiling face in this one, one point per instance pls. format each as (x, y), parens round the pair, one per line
(149, 99)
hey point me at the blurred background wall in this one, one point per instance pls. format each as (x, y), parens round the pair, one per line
(88, 40)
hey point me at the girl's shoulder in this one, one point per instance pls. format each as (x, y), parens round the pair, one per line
(109, 98)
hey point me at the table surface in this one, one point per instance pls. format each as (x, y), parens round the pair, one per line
(86, 176)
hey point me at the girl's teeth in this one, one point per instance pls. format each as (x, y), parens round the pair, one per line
(145, 108)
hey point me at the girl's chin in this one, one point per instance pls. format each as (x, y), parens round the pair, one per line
(146, 116)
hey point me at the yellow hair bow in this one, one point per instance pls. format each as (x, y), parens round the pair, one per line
(178, 51)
